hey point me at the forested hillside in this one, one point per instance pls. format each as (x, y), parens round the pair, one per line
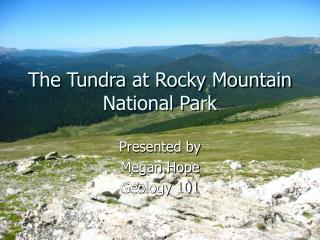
(28, 111)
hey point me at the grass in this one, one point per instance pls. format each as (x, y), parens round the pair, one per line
(307, 215)
(281, 144)
(281, 139)
(112, 201)
(48, 177)
(198, 119)
(261, 226)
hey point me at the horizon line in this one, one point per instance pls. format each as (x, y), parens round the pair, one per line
(94, 49)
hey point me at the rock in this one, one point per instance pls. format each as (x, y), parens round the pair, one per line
(220, 210)
(24, 166)
(172, 178)
(240, 185)
(157, 177)
(52, 156)
(235, 165)
(134, 200)
(288, 189)
(315, 227)
(54, 214)
(99, 197)
(228, 161)
(228, 221)
(310, 197)
(37, 158)
(68, 156)
(106, 185)
(93, 234)
(70, 179)
(11, 191)
(42, 207)
(9, 164)
(163, 231)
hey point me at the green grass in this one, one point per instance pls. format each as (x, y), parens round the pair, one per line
(198, 119)
(280, 139)
(112, 201)
(281, 144)
(307, 215)
(261, 226)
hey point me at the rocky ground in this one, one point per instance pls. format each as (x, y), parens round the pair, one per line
(170, 206)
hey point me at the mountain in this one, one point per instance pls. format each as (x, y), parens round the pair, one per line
(285, 41)
(304, 69)
(5, 51)
(39, 111)
(110, 59)
(243, 56)
(34, 52)
(99, 62)
(135, 50)
(197, 64)
(11, 70)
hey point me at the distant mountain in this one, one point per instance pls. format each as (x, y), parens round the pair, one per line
(40, 53)
(201, 64)
(304, 70)
(109, 59)
(4, 51)
(285, 41)
(243, 56)
(196, 64)
(135, 50)
(34, 52)
(101, 62)
(39, 110)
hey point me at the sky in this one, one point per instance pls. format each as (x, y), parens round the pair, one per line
(97, 24)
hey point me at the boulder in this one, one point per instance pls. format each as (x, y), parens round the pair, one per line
(37, 158)
(304, 184)
(240, 185)
(163, 231)
(24, 166)
(11, 191)
(95, 234)
(310, 197)
(106, 185)
(228, 161)
(68, 156)
(222, 210)
(235, 165)
(8, 163)
(135, 200)
(172, 178)
(157, 177)
(52, 156)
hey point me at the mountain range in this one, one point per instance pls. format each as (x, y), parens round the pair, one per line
(28, 111)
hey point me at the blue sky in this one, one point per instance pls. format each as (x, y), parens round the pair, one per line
(120, 23)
